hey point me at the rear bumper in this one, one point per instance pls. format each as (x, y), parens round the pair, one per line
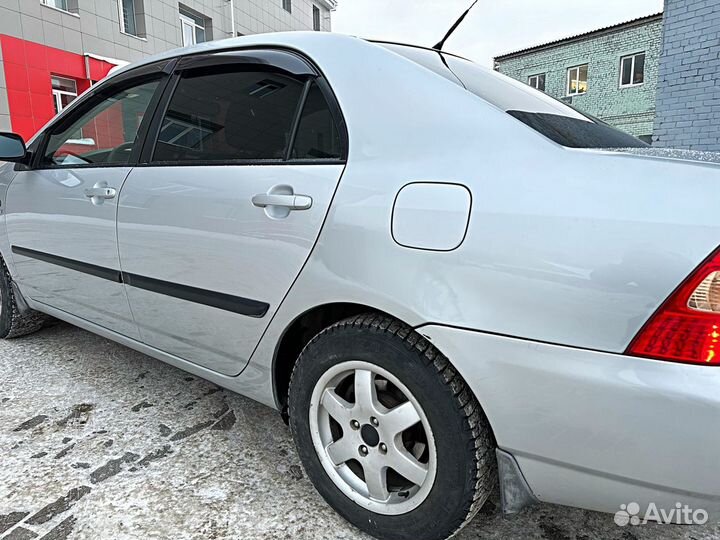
(596, 430)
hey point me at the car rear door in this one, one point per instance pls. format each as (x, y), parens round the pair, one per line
(62, 211)
(217, 221)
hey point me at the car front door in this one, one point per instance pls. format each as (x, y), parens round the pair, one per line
(217, 221)
(62, 212)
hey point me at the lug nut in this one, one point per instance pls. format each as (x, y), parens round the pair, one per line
(383, 448)
(374, 421)
(355, 424)
(363, 450)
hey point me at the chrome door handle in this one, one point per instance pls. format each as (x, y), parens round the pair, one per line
(101, 193)
(291, 202)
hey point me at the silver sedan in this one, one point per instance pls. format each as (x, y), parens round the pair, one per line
(442, 278)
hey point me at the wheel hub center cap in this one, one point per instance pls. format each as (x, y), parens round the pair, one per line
(370, 435)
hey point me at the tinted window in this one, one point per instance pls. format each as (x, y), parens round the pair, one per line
(106, 133)
(547, 115)
(575, 133)
(225, 114)
(317, 136)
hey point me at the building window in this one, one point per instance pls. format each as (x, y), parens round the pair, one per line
(577, 80)
(537, 81)
(287, 5)
(59, 4)
(129, 21)
(632, 70)
(195, 27)
(64, 91)
(316, 18)
(65, 5)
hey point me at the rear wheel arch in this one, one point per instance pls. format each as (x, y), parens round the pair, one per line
(298, 334)
(302, 330)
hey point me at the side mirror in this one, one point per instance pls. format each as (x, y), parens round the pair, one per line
(12, 147)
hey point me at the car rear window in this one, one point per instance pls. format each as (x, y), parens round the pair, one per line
(575, 133)
(548, 116)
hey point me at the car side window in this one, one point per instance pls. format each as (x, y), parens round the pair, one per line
(317, 136)
(105, 134)
(228, 113)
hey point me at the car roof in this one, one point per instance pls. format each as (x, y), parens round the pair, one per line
(292, 40)
(412, 46)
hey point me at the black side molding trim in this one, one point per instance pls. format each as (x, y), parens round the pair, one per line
(235, 304)
(72, 264)
(226, 302)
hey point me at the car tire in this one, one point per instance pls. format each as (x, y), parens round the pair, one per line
(455, 467)
(13, 323)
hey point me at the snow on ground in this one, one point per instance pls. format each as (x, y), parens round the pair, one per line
(100, 442)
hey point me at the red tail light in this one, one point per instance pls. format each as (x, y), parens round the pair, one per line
(686, 328)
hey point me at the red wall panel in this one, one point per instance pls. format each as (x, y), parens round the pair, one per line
(28, 69)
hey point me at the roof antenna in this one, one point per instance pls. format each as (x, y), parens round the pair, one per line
(440, 45)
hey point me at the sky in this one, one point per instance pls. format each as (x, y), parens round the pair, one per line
(492, 28)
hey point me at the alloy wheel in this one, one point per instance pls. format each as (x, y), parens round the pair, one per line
(373, 438)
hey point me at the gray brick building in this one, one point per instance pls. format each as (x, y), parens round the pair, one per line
(610, 73)
(51, 50)
(688, 101)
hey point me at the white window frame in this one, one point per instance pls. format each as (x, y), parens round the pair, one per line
(632, 69)
(57, 93)
(536, 86)
(70, 8)
(576, 69)
(51, 4)
(316, 9)
(186, 20)
(121, 14)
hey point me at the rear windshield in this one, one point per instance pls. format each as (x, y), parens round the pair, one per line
(546, 115)
(575, 133)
